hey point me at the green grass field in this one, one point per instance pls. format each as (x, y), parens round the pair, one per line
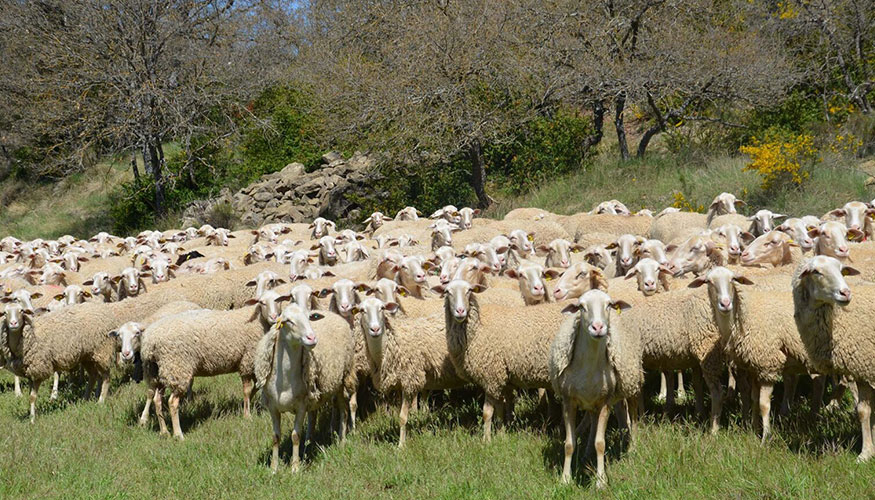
(79, 449)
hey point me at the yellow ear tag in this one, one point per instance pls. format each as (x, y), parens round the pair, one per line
(279, 325)
(402, 293)
(619, 311)
(791, 240)
(8, 290)
(547, 278)
(531, 238)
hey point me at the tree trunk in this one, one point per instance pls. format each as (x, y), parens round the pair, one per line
(478, 174)
(156, 155)
(598, 122)
(134, 168)
(620, 105)
(645, 139)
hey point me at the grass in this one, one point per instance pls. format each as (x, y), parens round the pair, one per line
(84, 449)
(653, 182)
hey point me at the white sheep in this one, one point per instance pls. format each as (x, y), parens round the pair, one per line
(763, 221)
(595, 361)
(724, 203)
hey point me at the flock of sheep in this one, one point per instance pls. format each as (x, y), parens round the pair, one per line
(576, 307)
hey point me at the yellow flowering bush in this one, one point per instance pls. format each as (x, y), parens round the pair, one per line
(780, 162)
(845, 144)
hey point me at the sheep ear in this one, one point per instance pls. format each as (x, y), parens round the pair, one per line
(850, 271)
(146, 274)
(362, 287)
(855, 234)
(36, 295)
(779, 216)
(747, 236)
(314, 247)
(440, 289)
(551, 274)
(740, 203)
(88, 282)
(696, 283)
(59, 296)
(631, 274)
(427, 265)
(744, 280)
(403, 291)
(611, 246)
(839, 212)
(251, 302)
(280, 281)
(314, 316)
(814, 232)
(511, 273)
(478, 288)
(620, 305)
(113, 334)
(571, 309)
(40, 310)
(283, 298)
(327, 273)
(673, 247)
(390, 307)
(248, 283)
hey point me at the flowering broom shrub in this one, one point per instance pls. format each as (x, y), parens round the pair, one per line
(780, 162)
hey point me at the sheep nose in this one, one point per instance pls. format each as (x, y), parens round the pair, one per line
(564, 263)
(726, 302)
(445, 279)
(375, 329)
(855, 226)
(558, 293)
(734, 249)
(420, 277)
(460, 311)
(767, 229)
(745, 254)
(845, 293)
(843, 250)
(626, 260)
(597, 326)
(649, 283)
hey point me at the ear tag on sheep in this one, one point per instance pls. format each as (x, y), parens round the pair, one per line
(402, 293)
(279, 325)
(548, 278)
(530, 238)
(619, 310)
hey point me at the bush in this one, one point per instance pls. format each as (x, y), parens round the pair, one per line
(780, 162)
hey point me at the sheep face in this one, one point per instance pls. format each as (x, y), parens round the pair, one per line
(471, 270)
(532, 281)
(298, 262)
(442, 234)
(832, 239)
(321, 227)
(574, 281)
(72, 295)
(733, 237)
(724, 203)
(559, 252)
(771, 248)
(599, 256)
(457, 297)
(372, 318)
(798, 231)
(489, 256)
(824, 279)
(294, 324)
(344, 297)
(721, 287)
(327, 250)
(129, 280)
(466, 217)
(649, 273)
(595, 312)
(521, 241)
(356, 252)
(626, 246)
(162, 269)
(304, 296)
(14, 315)
(444, 253)
(24, 298)
(129, 335)
(652, 249)
(448, 269)
(268, 306)
(408, 213)
(388, 291)
(764, 221)
(263, 281)
(855, 214)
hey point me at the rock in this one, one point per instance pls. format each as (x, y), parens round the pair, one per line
(263, 196)
(331, 157)
(870, 181)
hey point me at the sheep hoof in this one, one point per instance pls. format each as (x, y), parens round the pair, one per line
(864, 457)
(600, 483)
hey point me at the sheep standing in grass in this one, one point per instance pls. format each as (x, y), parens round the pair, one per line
(497, 347)
(299, 368)
(836, 330)
(595, 361)
(409, 354)
(204, 343)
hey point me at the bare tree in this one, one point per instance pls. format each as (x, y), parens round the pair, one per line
(132, 74)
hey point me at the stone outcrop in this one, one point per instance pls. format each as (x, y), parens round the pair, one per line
(294, 195)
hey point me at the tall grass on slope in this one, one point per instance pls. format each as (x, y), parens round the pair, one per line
(653, 183)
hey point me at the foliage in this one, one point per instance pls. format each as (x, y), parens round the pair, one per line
(546, 148)
(780, 162)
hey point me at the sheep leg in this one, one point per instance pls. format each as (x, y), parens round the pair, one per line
(276, 421)
(632, 409)
(716, 391)
(790, 383)
(765, 407)
(601, 479)
(864, 413)
(852, 386)
(34, 389)
(698, 388)
(488, 411)
(247, 396)
(670, 396)
(296, 439)
(17, 387)
(341, 406)
(104, 387)
(144, 417)
(414, 405)
(173, 402)
(54, 394)
(568, 414)
(353, 407)
(682, 394)
(406, 401)
(159, 411)
(663, 387)
(818, 385)
(754, 396)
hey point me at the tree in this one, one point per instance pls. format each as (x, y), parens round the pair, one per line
(425, 81)
(129, 75)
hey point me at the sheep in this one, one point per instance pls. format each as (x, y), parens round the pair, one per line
(449, 213)
(733, 238)
(409, 355)
(129, 282)
(219, 237)
(299, 368)
(466, 217)
(653, 249)
(532, 278)
(734, 219)
(354, 252)
(258, 252)
(649, 275)
(677, 227)
(410, 273)
(594, 369)
(408, 213)
(210, 266)
(626, 246)
(838, 339)
(612, 207)
(580, 225)
(72, 295)
(265, 280)
(305, 297)
(204, 343)
(528, 213)
(695, 255)
(798, 231)
(831, 239)
(600, 257)
(70, 260)
(763, 221)
(160, 268)
(388, 291)
(857, 215)
(327, 252)
(482, 351)
(441, 234)
(298, 262)
(724, 203)
(576, 280)
(775, 248)
(559, 252)
(344, 297)
(321, 227)
(489, 255)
